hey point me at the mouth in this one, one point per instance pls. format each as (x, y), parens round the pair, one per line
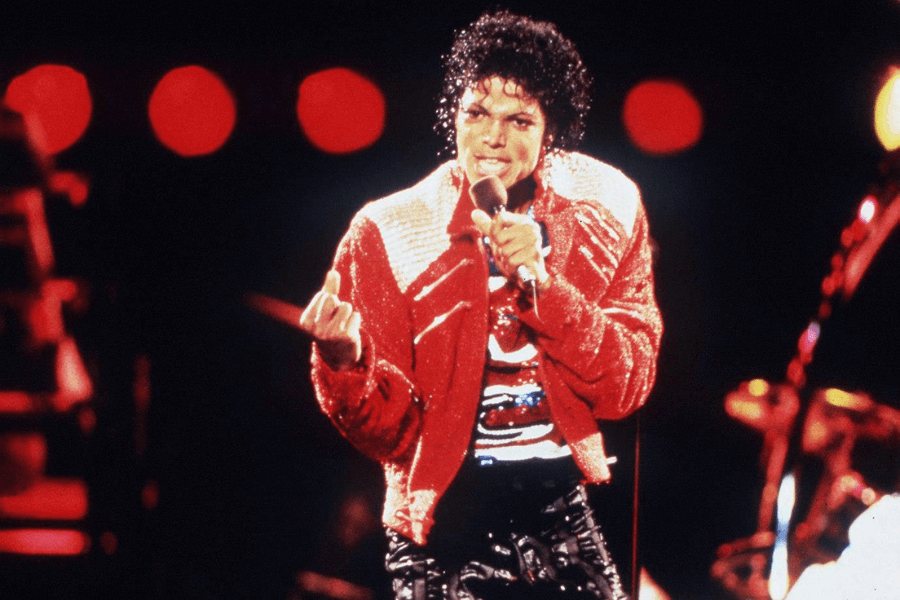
(488, 165)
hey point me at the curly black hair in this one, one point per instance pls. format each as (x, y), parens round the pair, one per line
(532, 53)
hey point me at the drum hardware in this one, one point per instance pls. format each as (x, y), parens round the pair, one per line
(741, 566)
(825, 428)
(837, 421)
(770, 409)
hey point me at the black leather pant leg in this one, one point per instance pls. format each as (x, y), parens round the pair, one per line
(499, 537)
(415, 575)
(578, 550)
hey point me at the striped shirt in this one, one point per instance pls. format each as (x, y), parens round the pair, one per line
(514, 421)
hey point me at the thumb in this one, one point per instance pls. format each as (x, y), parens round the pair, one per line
(332, 282)
(482, 221)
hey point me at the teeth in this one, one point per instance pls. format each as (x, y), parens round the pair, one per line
(491, 166)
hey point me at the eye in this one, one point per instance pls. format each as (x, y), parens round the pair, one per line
(523, 123)
(473, 112)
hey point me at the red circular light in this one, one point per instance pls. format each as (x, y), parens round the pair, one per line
(55, 103)
(340, 111)
(191, 111)
(662, 117)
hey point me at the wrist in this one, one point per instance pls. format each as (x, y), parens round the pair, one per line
(339, 355)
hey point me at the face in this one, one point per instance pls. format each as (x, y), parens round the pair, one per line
(499, 131)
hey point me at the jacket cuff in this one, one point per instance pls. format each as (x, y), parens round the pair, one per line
(337, 387)
(591, 457)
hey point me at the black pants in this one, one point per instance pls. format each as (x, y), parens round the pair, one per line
(508, 532)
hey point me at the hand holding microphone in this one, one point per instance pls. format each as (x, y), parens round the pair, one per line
(515, 239)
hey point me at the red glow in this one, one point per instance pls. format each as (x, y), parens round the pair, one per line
(141, 390)
(275, 308)
(150, 495)
(44, 318)
(26, 450)
(71, 184)
(340, 111)
(74, 383)
(87, 420)
(796, 374)
(662, 117)
(44, 542)
(29, 203)
(332, 587)
(55, 498)
(65, 290)
(15, 402)
(109, 542)
(54, 99)
(192, 111)
(141, 383)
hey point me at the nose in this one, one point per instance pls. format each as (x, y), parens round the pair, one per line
(494, 135)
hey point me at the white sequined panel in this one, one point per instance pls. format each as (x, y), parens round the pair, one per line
(575, 176)
(413, 224)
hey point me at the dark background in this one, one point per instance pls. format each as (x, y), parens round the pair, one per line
(249, 471)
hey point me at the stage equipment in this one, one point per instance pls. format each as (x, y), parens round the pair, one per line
(829, 440)
(45, 388)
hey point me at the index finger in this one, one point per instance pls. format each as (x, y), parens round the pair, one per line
(332, 282)
(507, 219)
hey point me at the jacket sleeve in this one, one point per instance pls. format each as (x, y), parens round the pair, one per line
(598, 322)
(375, 406)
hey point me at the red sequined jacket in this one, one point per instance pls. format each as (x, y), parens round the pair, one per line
(414, 265)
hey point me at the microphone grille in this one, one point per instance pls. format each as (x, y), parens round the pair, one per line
(489, 194)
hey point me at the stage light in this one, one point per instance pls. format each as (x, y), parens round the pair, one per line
(867, 209)
(779, 579)
(15, 402)
(887, 112)
(808, 339)
(340, 111)
(55, 102)
(842, 399)
(662, 117)
(758, 387)
(74, 384)
(48, 499)
(44, 542)
(192, 111)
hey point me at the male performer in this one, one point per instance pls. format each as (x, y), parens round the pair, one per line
(472, 354)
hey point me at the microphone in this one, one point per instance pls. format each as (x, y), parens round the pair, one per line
(490, 196)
